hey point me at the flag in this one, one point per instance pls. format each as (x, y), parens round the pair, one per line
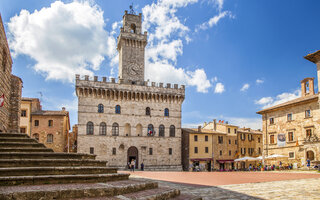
(2, 100)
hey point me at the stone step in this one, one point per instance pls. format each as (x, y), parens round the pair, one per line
(186, 197)
(45, 155)
(25, 149)
(68, 191)
(152, 194)
(14, 135)
(20, 144)
(6, 163)
(61, 179)
(38, 171)
(18, 139)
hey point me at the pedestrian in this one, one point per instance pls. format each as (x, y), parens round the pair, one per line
(133, 164)
(250, 167)
(142, 166)
(308, 163)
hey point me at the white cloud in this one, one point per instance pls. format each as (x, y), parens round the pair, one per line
(166, 34)
(254, 123)
(213, 20)
(259, 81)
(63, 39)
(245, 87)
(267, 102)
(219, 88)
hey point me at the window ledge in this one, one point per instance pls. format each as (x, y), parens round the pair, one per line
(292, 141)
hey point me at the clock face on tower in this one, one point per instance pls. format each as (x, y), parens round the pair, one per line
(134, 69)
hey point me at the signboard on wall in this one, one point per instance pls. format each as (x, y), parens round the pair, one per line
(281, 140)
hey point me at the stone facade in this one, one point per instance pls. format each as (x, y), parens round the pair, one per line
(130, 118)
(216, 145)
(10, 87)
(298, 120)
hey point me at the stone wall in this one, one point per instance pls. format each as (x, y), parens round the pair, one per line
(15, 101)
(133, 100)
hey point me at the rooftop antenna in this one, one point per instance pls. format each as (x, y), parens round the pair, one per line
(131, 9)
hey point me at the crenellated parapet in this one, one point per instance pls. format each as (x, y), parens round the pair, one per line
(113, 89)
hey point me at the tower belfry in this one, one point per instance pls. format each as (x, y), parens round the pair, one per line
(131, 47)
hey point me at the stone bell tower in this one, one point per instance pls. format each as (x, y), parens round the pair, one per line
(131, 47)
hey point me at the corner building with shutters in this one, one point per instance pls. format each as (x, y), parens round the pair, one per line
(130, 118)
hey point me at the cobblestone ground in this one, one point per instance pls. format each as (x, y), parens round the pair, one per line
(288, 189)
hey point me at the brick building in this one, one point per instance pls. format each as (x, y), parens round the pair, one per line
(10, 88)
(292, 128)
(48, 127)
(217, 145)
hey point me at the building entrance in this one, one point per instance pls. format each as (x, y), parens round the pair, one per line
(133, 154)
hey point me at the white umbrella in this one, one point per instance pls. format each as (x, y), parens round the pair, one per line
(245, 158)
(275, 156)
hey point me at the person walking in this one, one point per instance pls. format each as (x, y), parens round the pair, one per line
(142, 166)
(133, 164)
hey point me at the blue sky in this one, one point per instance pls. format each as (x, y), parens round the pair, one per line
(235, 57)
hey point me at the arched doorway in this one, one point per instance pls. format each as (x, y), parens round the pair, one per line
(133, 154)
(310, 155)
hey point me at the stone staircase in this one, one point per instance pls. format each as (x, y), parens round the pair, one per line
(29, 170)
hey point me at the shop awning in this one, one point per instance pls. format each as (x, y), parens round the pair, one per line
(225, 161)
(201, 159)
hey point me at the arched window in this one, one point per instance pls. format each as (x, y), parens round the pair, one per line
(118, 109)
(148, 111)
(172, 131)
(89, 128)
(103, 129)
(36, 136)
(139, 130)
(166, 112)
(100, 108)
(133, 28)
(49, 138)
(161, 130)
(150, 130)
(115, 129)
(127, 129)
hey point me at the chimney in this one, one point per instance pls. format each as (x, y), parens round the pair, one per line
(199, 128)
(63, 109)
(214, 124)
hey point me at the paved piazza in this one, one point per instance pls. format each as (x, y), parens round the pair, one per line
(240, 185)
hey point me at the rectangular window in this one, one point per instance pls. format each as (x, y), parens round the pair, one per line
(220, 153)
(150, 151)
(258, 140)
(289, 117)
(220, 139)
(50, 123)
(235, 130)
(91, 150)
(290, 136)
(36, 122)
(271, 139)
(114, 151)
(249, 137)
(22, 130)
(195, 138)
(170, 151)
(243, 136)
(229, 130)
(271, 120)
(206, 138)
(308, 113)
(244, 150)
(291, 154)
(259, 150)
(195, 149)
(206, 149)
(229, 153)
(308, 132)
(236, 142)
(229, 141)
(23, 113)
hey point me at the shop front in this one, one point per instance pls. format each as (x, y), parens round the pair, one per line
(225, 165)
(201, 164)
